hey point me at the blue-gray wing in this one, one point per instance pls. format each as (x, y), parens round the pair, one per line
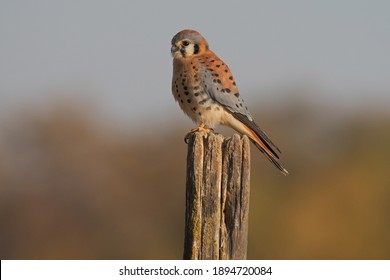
(220, 85)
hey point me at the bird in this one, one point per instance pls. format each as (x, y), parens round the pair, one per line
(206, 91)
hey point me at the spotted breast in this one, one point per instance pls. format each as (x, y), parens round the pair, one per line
(205, 89)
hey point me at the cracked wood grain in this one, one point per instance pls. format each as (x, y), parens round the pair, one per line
(217, 197)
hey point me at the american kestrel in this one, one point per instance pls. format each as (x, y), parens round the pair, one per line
(205, 89)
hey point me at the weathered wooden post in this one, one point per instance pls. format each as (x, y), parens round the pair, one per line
(217, 197)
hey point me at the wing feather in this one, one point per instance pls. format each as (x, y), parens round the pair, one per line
(225, 92)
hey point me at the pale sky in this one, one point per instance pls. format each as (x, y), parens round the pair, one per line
(116, 54)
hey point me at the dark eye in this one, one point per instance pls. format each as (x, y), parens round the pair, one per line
(186, 43)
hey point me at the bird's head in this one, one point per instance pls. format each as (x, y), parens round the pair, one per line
(187, 43)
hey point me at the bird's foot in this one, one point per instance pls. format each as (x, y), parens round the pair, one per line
(200, 128)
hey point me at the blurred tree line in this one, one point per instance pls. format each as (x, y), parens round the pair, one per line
(73, 188)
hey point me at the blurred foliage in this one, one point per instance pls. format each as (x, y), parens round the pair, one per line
(73, 188)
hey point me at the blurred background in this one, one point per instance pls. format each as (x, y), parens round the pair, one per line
(92, 157)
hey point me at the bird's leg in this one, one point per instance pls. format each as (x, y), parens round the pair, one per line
(201, 127)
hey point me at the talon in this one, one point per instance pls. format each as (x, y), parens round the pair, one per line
(187, 137)
(201, 127)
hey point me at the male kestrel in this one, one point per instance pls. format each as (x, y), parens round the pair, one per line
(204, 87)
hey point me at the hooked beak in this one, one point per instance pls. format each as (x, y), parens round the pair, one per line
(174, 49)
